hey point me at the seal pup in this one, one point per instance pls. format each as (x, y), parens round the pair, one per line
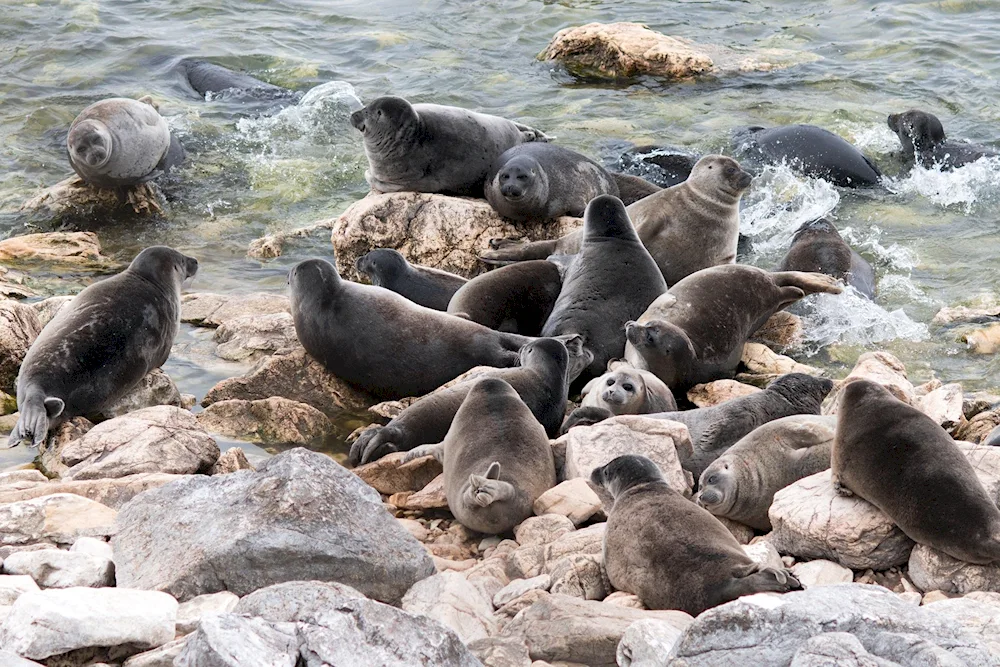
(811, 151)
(517, 298)
(690, 226)
(696, 331)
(922, 136)
(102, 343)
(626, 390)
(384, 343)
(497, 459)
(422, 285)
(541, 181)
(120, 142)
(669, 552)
(433, 148)
(612, 278)
(546, 368)
(205, 77)
(818, 247)
(740, 485)
(900, 460)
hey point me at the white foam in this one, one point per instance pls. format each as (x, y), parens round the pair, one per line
(779, 202)
(966, 187)
(320, 115)
(851, 319)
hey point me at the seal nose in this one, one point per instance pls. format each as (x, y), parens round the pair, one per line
(744, 180)
(358, 119)
(510, 191)
(707, 497)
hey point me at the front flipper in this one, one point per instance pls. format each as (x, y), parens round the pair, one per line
(486, 490)
(507, 251)
(437, 451)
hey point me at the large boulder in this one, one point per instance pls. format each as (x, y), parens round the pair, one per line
(75, 198)
(451, 600)
(933, 570)
(980, 617)
(270, 421)
(299, 516)
(60, 518)
(19, 326)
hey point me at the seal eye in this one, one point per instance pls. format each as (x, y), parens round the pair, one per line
(730, 171)
(627, 387)
(713, 479)
(611, 382)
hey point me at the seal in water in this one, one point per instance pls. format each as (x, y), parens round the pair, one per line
(819, 248)
(205, 77)
(422, 285)
(662, 165)
(516, 298)
(922, 137)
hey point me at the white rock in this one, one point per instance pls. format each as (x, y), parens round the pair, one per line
(647, 643)
(519, 587)
(764, 554)
(93, 546)
(54, 568)
(934, 570)
(821, 573)
(542, 529)
(16, 480)
(190, 613)
(8, 659)
(61, 518)
(880, 367)
(978, 616)
(162, 656)
(573, 499)
(450, 599)
(13, 586)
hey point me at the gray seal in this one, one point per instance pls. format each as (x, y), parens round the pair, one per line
(423, 285)
(433, 148)
(740, 485)
(612, 279)
(540, 181)
(669, 552)
(626, 390)
(497, 459)
(517, 298)
(102, 343)
(210, 79)
(695, 332)
(818, 247)
(900, 460)
(922, 137)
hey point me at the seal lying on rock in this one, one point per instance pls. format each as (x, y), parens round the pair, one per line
(626, 390)
(900, 460)
(102, 343)
(433, 148)
(669, 552)
(818, 247)
(516, 298)
(119, 142)
(740, 485)
(422, 285)
(547, 367)
(922, 137)
(696, 331)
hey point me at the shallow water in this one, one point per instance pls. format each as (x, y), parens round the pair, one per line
(933, 237)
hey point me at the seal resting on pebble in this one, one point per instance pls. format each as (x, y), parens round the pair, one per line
(690, 226)
(818, 247)
(120, 142)
(672, 554)
(900, 460)
(922, 136)
(497, 459)
(102, 343)
(546, 368)
(696, 331)
(433, 148)
(516, 298)
(626, 390)
(422, 285)
(740, 485)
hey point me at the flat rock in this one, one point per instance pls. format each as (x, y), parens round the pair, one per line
(15, 480)
(74, 248)
(646, 643)
(299, 516)
(450, 599)
(13, 586)
(821, 573)
(269, 421)
(110, 492)
(54, 568)
(931, 570)
(719, 391)
(573, 499)
(206, 309)
(19, 327)
(60, 518)
(760, 359)
(519, 587)
(544, 529)
(75, 198)
(156, 388)
(390, 475)
(190, 613)
(251, 337)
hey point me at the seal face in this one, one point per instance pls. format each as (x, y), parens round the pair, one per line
(423, 285)
(818, 247)
(900, 460)
(102, 343)
(669, 552)
(922, 137)
(516, 298)
(626, 390)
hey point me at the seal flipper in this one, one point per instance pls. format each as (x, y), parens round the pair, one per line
(587, 416)
(808, 282)
(437, 451)
(486, 490)
(507, 251)
(763, 580)
(35, 419)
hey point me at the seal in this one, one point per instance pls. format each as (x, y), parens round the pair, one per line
(208, 78)
(900, 460)
(541, 181)
(669, 552)
(422, 285)
(119, 142)
(626, 390)
(818, 247)
(696, 331)
(664, 166)
(102, 343)
(547, 367)
(612, 278)
(740, 485)
(690, 226)
(809, 150)
(922, 137)
(516, 298)
(433, 148)
(497, 459)
(633, 188)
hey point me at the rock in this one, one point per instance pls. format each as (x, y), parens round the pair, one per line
(836, 648)
(206, 309)
(414, 528)
(560, 627)
(782, 330)
(61, 248)
(741, 532)
(530, 561)
(8, 406)
(931, 597)
(538, 530)
(50, 452)
(434, 230)
(54, 568)
(13, 586)
(12, 284)
(647, 643)
(720, 391)
(190, 613)
(74, 197)
(269, 421)
(623, 599)
(821, 573)
(573, 499)
(879, 367)
(433, 496)
(580, 575)
(934, 570)
(162, 656)
(8, 659)
(979, 426)
(272, 245)
(15, 480)
(93, 546)
(254, 336)
(978, 401)
(299, 516)
(46, 309)
(163, 439)
(664, 442)
(810, 521)
(390, 475)
(450, 599)
(110, 492)
(761, 359)
(764, 554)
(519, 587)
(228, 640)
(770, 630)
(943, 405)
(983, 341)
(156, 388)
(59, 518)
(231, 460)
(501, 652)
(19, 327)
(46, 623)
(979, 617)
(988, 309)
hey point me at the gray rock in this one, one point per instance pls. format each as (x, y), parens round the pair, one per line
(19, 326)
(190, 613)
(580, 575)
(228, 640)
(530, 561)
(270, 421)
(450, 599)
(519, 587)
(232, 459)
(542, 529)
(54, 568)
(501, 652)
(251, 337)
(647, 643)
(162, 656)
(300, 516)
(60, 518)
(8, 659)
(978, 616)
(837, 648)
(46, 309)
(933, 570)
(13, 586)
(212, 310)
(156, 388)
(112, 493)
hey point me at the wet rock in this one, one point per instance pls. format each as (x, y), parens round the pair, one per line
(46, 309)
(934, 570)
(647, 643)
(254, 336)
(156, 388)
(573, 499)
(759, 358)
(821, 573)
(544, 529)
(231, 460)
(60, 518)
(299, 516)
(12, 284)
(810, 521)
(720, 391)
(73, 248)
(13, 586)
(163, 439)
(54, 568)
(272, 245)
(976, 402)
(880, 367)
(434, 230)
(74, 197)
(449, 599)
(782, 330)
(46, 623)
(983, 341)
(19, 326)
(162, 656)
(982, 312)
(580, 575)
(110, 492)
(519, 587)
(269, 421)
(190, 613)
(390, 475)
(501, 652)
(206, 309)
(943, 405)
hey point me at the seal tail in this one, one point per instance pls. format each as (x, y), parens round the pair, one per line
(488, 489)
(32, 426)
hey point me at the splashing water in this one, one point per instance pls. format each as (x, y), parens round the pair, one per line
(321, 116)
(851, 319)
(965, 187)
(780, 201)
(877, 139)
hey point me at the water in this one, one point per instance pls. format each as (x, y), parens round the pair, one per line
(933, 237)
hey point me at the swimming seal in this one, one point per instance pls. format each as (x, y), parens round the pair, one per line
(205, 77)
(922, 136)
(422, 285)
(517, 298)
(664, 166)
(818, 247)
(102, 343)
(669, 552)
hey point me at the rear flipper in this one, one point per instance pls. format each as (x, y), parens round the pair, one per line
(486, 490)
(765, 580)
(531, 134)
(506, 251)
(33, 423)
(810, 283)
(373, 443)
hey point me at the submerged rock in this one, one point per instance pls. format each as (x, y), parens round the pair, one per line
(271, 421)
(75, 197)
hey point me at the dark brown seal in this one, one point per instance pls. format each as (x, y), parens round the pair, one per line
(517, 298)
